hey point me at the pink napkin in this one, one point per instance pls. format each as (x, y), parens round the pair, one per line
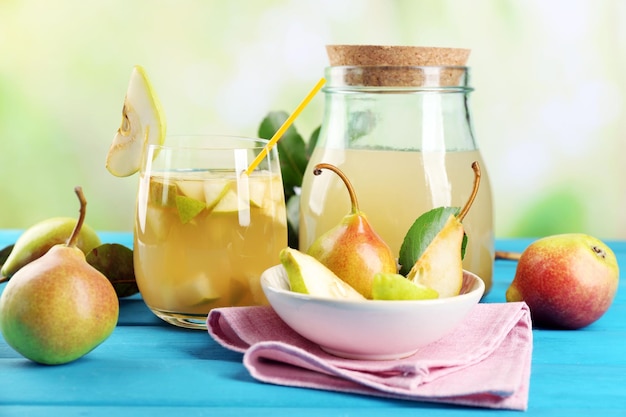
(485, 362)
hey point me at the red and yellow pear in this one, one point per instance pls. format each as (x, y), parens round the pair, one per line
(568, 280)
(352, 249)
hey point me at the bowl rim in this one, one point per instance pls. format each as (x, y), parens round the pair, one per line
(478, 286)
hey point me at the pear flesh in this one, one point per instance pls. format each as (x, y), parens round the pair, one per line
(440, 267)
(40, 237)
(308, 276)
(143, 123)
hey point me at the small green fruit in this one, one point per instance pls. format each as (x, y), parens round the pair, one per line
(40, 237)
(397, 287)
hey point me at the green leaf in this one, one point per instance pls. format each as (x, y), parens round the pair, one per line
(310, 147)
(4, 254)
(361, 124)
(291, 151)
(421, 233)
(115, 262)
(293, 213)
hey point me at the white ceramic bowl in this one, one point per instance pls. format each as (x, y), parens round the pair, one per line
(372, 329)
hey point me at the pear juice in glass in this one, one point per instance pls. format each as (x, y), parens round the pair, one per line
(204, 230)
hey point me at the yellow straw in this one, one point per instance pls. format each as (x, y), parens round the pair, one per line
(285, 126)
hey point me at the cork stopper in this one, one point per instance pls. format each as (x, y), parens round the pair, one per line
(373, 57)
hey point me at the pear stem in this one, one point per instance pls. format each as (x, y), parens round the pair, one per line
(476, 168)
(3, 279)
(508, 256)
(72, 240)
(317, 170)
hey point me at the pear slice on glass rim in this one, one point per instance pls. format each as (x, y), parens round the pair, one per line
(143, 123)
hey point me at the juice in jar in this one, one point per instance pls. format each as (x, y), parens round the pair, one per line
(202, 239)
(394, 188)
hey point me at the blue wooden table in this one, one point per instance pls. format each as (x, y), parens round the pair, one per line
(151, 368)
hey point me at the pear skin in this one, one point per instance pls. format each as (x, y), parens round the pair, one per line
(40, 237)
(308, 276)
(440, 267)
(568, 280)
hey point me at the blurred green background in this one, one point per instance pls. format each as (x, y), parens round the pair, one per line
(548, 107)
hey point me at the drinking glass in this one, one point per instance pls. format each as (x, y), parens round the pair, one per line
(204, 229)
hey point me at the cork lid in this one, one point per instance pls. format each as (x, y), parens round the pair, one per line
(373, 57)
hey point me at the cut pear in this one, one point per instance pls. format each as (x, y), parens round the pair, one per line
(143, 123)
(440, 266)
(309, 276)
(188, 208)
(257, 190)
(162, 192)
(229, 202)
(215, 190)
(397, 287)
(192, 189)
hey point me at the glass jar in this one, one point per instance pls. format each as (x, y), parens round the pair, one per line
(404, 137)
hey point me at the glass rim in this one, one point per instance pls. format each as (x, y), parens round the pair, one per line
(203, 142)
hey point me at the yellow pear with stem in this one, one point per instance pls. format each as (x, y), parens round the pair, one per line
(352, 249)
(440, 266)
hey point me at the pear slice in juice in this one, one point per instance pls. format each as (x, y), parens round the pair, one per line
(215, 190)
(188, 208)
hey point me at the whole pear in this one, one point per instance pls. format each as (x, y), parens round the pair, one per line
(40, 237)
(568, 280)
(352, 249)
(58, 308)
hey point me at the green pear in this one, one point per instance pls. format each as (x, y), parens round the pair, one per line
(58, 308)
(398, 287)
(352, 249)
(39, 238)
(308, 276)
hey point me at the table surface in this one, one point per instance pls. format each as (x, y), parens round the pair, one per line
(148, 367)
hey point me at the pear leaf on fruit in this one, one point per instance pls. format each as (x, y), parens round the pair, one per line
(427, 226)
(421, 233)
(115, 262)
(58, 308)
(308, 276)
(143, 123)
(398, 287)
(440, 267)
(352, 249)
